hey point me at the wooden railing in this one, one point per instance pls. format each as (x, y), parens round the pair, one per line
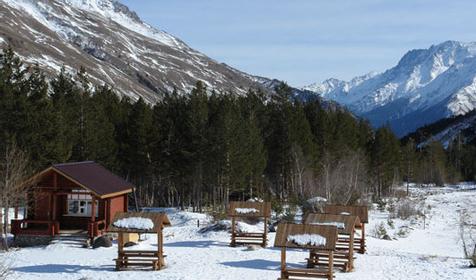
(35, 227)
(96, 228)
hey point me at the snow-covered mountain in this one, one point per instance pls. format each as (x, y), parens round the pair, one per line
(425, 86)
(114, 46)
(446, 130)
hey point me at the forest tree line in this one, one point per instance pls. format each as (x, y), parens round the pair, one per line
(204, 148)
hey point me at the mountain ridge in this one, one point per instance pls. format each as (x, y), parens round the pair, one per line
(115, 46)
(439, 80)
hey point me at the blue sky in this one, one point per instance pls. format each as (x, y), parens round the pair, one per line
(304, 41)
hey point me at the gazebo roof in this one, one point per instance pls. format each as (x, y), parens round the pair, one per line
(159, 220)
(349, 222)
(256, 209)
(353, 210)
(286, 230)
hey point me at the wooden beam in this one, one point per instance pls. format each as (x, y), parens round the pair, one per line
(93, 209)
(331, 266)
(283, 262)
(232, 231)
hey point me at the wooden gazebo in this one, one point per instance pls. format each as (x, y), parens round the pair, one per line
(140, 258)
(286, 237)
(257, 210)
(352, 210)
(344, 254)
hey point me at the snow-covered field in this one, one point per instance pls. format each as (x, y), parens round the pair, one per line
(430, 251)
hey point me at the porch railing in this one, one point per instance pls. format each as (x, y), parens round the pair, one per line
(35, 227)
(96, 228)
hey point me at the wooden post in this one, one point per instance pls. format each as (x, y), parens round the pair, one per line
(233, 231)
(120, 250)
(362, 242)
(265, 238)
(92, 228)
(55, 187)
(283, 263)
(160, 242)
(15, 215)
(53, 216)
(330, 275)
(351, 251)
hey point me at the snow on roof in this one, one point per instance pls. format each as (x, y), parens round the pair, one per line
(246, 210)
(339, 225)
(316, 199)
(307, 239)
(135, 223)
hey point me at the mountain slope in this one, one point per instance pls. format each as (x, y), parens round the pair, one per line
(114, 46)
(446, 130)
(425, 86)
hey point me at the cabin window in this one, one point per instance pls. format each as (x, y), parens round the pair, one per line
(80, 204)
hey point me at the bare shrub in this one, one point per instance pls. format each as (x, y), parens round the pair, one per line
(404, 209)
(344, 180)
(468, 240)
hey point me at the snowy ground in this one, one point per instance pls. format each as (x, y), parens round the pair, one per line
(433, 252)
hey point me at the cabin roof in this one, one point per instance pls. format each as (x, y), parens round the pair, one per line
(285, 230)
(90, 176)
(160, 220)
(263, 209)
(354, 210)
(349, 221)
(94, 177)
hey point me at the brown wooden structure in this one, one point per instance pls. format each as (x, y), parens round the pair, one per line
(326, 270)
(140, 258)
(80, 196)
(344, 254)
(262, 210)
(353, 210)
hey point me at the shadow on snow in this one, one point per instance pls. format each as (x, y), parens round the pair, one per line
(197, 244)
(255, 264)
(60, 268)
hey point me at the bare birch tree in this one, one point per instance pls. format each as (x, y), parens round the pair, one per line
(13, 171)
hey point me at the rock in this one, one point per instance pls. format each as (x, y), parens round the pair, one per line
(220, 226)
(130, 244)
(386, 237)
(272, 227)
(253, 247)
(87, 244)
(102, 241)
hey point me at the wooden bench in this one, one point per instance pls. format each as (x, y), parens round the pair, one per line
(261, 210)
(138, 258)
(343, 256)
(284, 239)
(353, 210)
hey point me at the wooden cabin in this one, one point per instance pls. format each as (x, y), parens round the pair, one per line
(344, 254)
(318, 238)
(123, 223)
(353, 210)
(81, 196)
(249, 210)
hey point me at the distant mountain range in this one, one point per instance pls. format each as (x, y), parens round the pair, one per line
(425, 86)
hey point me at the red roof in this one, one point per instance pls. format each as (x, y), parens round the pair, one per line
(94, 177)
